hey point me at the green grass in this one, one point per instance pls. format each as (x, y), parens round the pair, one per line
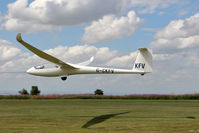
(99, 116)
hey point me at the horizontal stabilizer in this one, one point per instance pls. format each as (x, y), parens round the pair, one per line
(85, 63)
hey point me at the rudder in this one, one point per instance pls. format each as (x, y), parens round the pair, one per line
(143, 62)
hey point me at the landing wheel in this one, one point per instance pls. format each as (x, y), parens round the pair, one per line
(63, 78)
(142, 74)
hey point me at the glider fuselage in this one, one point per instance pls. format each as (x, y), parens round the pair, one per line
(58, 71)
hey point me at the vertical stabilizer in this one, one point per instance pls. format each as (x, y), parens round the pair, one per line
(143, 62)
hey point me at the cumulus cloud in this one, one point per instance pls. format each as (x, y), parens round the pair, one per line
(176, 50)
(42, 15)
(8, 50)
(149, 6)
(48, 14)
(124, 61)
(103, 56)
(178, 35)
(79, 53)
(180, 28)
(12, 58)
(110, 27)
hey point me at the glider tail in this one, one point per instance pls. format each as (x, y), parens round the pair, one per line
(143, 62)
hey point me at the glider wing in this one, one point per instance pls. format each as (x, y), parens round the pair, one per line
(43, 54)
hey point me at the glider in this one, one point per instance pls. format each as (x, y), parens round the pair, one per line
(142, 65)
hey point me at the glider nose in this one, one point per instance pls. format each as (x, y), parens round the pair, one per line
(30, 71)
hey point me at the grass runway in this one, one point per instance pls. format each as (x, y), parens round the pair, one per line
(99, 116)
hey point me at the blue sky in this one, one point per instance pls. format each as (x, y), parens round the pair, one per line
(110, 30)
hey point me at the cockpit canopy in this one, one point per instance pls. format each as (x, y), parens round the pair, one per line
(46, 66)
(39, 67)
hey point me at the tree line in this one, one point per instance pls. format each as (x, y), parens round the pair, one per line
(36, 91)
(33, 91)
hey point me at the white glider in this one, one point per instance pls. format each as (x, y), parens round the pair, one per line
(142, 65)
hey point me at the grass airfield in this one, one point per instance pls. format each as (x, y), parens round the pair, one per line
(99, 116)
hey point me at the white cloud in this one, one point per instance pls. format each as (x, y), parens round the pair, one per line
(110, 27)
(13, 59)
(176, 51)
(26, 26)
(124, 61)
(48, 14)
(180, 28)
(149, 6)
(8, 50)
(79, 53)
(176, 54)
(178, 35)
(40, 15)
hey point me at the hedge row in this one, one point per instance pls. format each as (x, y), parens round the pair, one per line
(89, 96)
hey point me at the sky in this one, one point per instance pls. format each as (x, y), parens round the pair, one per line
(109, 30)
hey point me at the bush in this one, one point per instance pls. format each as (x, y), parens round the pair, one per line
(23, 92)
(99, 92)
(35, 90)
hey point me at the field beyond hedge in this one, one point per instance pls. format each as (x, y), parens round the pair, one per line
(99, 116)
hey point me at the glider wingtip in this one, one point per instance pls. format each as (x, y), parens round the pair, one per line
(92, 58)
(19, 39)
(143, 49)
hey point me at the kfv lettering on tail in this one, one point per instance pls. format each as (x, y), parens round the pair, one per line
(140, 65)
